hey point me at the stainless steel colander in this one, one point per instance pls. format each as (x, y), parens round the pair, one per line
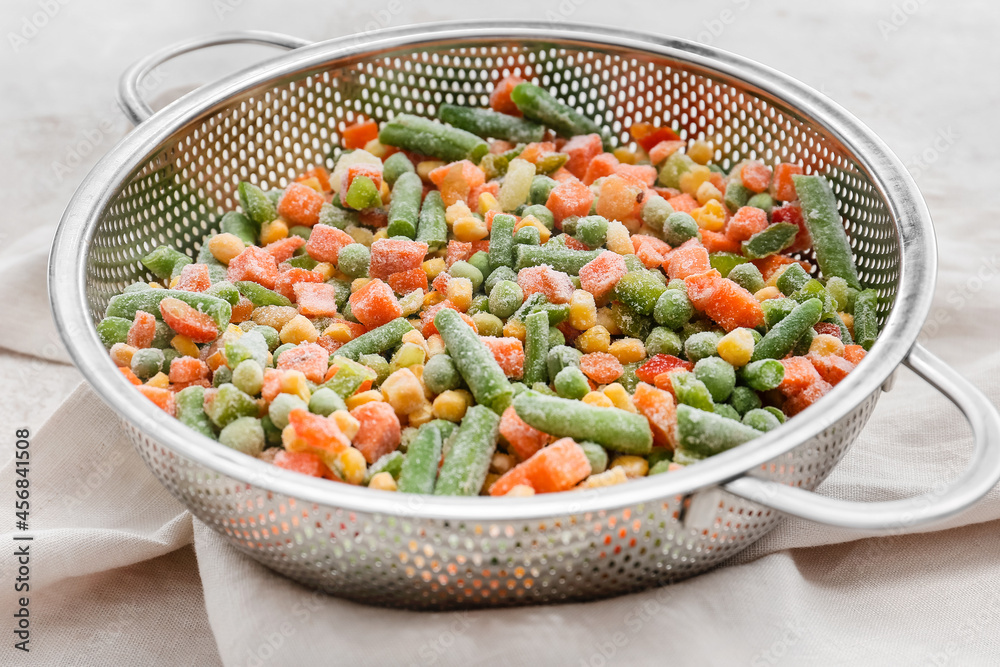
(170, 180)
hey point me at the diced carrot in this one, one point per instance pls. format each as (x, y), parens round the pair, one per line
(404, 282)
(768, 265)
(799, 374)
(457, 251)
(806, 397)
(831, 367)
(724, 301)
(581, 149)
(687, 259)
(555, 285)
(558, 467)
(659, 409)
(286, 282)
(537, 149)
(379, 432)
(523, 439)
(755, 175)
(650, 255)
(640, 175)
(322, 434)
(684, 203)
(508, 353)
(163, 398)
(129, 375)
(600, 275)
(648, 135)
(188, 321)
(569, 198)
(188, 369)
(500, 97)
(143, 330)
(457, 180)
(359, 134)
(326, 242)
(854, 353)
(661, 363)
(664, 149)
(300, 205)
(783, 187)
(619, 199)
(602, 165)
(719, 242)
(301, 462)
(254, 264)
(283, 249)
(194, 278)
(309, 358)
(746, 222)
(271, 386)
(601, 367)
(492, 187)
(374, 304)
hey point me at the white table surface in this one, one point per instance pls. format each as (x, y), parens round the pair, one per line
(921, 73)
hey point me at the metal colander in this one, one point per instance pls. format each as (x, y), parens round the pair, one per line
(172, 178)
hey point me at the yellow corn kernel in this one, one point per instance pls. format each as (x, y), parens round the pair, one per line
(155, 285)
(609, 477)
(358, 283)
(491, 477)
(363, 397)
(295, 383)
(501, 463)
(520, 491)
(425, 168)
(515, 329)
(594, 339)
(273, 231)
(121, 354)
(848, 321)
(325, 269)
(275, 317)
(487, 202)
(625, 156)
(707, 191)
(215, 360)
(531, 221)
(606, 319)
(620, 398)
(418, 370)
(225, 246)
(711, 216)
(769, 292)
(469, 228)
(352, 465)
(456, 211)
(361, 235)
(433, 298)
(692, 179)
(701, 151)
(161, 381)
(232, 332)
(416, 338)
(451, 405)
(377, 148)
(434, 267)
(184, 346)
(582, 310)
(347, 423)
(736, 347)
(384, 193)
(634, 466)
(825, 344)
(628, 350)
(618, 239)
(340, 332)
(597, 399)
(435, 345)
(421, 416)
(459, 292)
(382, 481)
(298, 330)
(380, 234)
(773, 280)
(174, 281)
(291, 440)
(313, 183)
(403, 391)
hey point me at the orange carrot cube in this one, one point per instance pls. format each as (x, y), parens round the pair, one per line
(660, 410)
(558, 467)
(374, 304)
(300, 205)
(724, 301)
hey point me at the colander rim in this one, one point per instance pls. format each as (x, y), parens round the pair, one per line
(67, 273)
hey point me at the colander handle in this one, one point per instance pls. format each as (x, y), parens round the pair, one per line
(129, 96)
(979, 477)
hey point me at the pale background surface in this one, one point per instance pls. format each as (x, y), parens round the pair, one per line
(919, 73)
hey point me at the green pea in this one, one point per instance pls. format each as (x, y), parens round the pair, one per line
(570, 382)
(488, 324)
(147, 362)
(673, 309)
(248, 376)
(701, 345)
(377, 363)
(440, 374)
(505, 298)
(463, 269)
(718, 375)
(679, 227)
(325, 401)
(662, 340)
(353, 260)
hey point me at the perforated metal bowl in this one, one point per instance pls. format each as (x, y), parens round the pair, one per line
(170, 180)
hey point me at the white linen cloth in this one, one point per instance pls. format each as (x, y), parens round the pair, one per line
(122, 574)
